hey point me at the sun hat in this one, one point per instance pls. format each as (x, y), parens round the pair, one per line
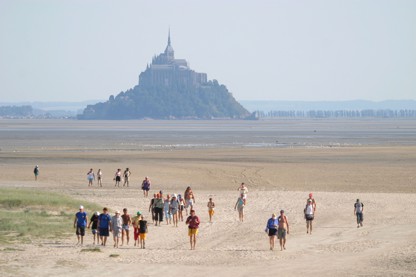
(174, 195)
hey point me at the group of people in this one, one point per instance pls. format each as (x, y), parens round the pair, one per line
(119, 225)
(118, 178)
(172, 206)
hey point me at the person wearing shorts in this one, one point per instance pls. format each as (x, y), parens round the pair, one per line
(125, 227)
(104, 226)
(193, 225)
(116, 227)
(80, 222)
(142, 232)
(271, 230)
(211, 207)
(282, 229)
(94, 226)
(309, 215)
(126, 175)
(90, 177)
(117, 177)
(100, 177)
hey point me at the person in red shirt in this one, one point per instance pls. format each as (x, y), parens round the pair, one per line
(193, 224)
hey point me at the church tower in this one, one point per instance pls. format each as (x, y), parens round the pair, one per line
(170, 54)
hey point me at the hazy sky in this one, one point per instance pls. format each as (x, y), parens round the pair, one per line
(265, 50)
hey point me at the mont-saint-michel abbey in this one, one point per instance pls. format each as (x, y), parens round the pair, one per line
(170, 89)
(167, 71)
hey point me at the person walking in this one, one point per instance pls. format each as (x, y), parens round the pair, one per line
(193, 225)
(152, 207)
(358, 212)
(94, 227)
(158, 209)
(189, 199)
(99, 177)
(146, 186)
(309, 216)
(80, 222)
(90, 177)
(239, 205)
(116, 224)
(242, 189)
(104, 226)
(143, 232)
(36, 172)
(282, 230)
(174, 209)
(181, 207)
(126, 175)
(211, 207)
(313, 202)
(271, 230)
(136, 226)
(166, 209)
(125, 232)
(117, 177)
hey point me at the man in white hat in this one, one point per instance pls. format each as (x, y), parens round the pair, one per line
(80, 223)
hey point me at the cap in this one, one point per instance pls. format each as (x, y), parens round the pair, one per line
(117, 212)
(81, 207)
(97, 213)
(139, 213)
(174, 195)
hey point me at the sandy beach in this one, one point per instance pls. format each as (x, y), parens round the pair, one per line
(280, 162)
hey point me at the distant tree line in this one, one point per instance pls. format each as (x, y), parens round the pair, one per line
(16, 111)
(386, 113)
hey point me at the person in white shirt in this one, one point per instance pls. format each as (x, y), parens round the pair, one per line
(243, 190)
(309, 215)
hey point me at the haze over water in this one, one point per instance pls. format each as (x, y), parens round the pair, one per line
(141, 135)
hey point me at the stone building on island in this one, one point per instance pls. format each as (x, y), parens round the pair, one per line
(166, 71)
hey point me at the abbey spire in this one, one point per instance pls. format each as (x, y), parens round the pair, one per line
(170, 54)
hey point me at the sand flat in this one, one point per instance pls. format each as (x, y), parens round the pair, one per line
(338, 166)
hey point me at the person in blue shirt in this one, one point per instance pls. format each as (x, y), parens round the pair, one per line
(104, 226)
(271, 230)
(80, 223)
